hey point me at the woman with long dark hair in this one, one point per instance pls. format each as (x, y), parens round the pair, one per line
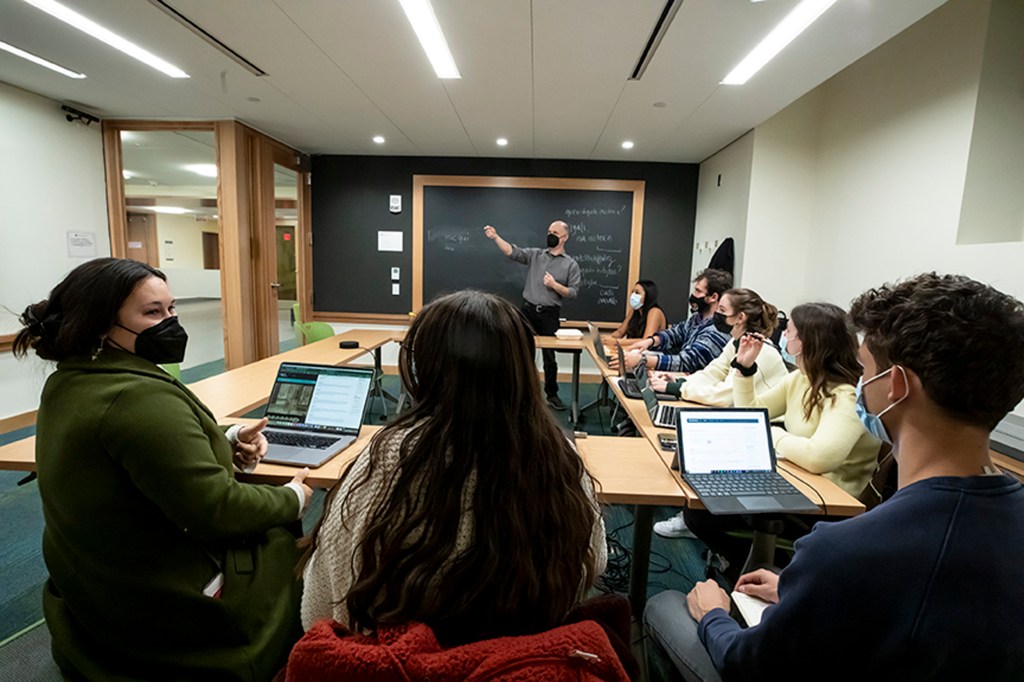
(162, 565)
(471, 512)
(645, 316)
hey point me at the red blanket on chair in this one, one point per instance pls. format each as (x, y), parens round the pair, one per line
(578, 651)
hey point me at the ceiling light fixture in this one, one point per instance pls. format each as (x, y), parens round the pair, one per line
(627, 144)
(802, 16)
(207, 170)
(86, 25)
(424, 23)
(379, 139)
(501, 142)
(172, 210)
(127, 174)
(18, 52)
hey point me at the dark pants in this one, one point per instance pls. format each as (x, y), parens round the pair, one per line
(545, 323)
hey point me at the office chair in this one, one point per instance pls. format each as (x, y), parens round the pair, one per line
(172, 368)
(313, 331)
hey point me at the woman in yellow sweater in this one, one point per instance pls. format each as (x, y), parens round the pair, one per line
(817, 405)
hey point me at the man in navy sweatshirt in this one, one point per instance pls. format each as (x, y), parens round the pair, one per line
(929, 584)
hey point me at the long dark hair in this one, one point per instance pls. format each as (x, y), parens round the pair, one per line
(638, 318)
(468, 363)
(81, 309)
(829, 354)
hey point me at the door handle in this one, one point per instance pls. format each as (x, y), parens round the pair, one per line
(275, 285)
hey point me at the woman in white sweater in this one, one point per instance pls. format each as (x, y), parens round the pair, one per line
(471, 512)
(739, 311)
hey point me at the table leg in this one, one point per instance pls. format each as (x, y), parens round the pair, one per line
(643, 522)
(576, 386)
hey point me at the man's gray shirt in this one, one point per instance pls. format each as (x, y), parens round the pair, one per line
(538, 261)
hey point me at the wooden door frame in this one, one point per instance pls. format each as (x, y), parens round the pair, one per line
(245, 161)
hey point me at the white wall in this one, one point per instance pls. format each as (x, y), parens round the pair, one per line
(886, 144)
(723, 192)
(51, 182)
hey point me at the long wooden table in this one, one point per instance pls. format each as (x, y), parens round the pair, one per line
(575, 347)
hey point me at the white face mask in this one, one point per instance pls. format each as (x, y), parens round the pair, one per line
(636, 301)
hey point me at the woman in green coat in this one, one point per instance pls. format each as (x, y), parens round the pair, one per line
(162, 565)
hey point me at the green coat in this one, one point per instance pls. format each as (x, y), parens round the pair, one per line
(142, 511)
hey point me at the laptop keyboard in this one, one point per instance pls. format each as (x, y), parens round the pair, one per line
(668, 414)
(300, 440)
(757, 482)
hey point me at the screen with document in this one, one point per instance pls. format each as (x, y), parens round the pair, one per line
(725, 440)
(317, 397)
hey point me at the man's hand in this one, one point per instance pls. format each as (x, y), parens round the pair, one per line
(490, 232)
(549, 281)
(633, 358)
(642, 344)
(659, 383)
(307, 492)
(252, 444)
(760, 583)
(706, 597)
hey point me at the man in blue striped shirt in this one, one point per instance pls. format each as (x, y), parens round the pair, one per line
(692, 344)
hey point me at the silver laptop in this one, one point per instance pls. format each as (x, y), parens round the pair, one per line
(662, 415)
(315, 412)
(726, 455)
(595, 340)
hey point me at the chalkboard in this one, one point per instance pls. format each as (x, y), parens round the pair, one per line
(603, 226)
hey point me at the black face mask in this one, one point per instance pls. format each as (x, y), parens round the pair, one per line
(699, 304)
(552, 240)
(162, 343)
(720, 323)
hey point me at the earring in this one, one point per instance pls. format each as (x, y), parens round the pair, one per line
(99, 348)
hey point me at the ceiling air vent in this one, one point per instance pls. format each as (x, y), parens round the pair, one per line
(660, 29)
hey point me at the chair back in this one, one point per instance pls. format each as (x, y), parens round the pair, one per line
(172, 368)
(313, 331)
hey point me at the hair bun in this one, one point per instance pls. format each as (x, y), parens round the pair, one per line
(40, 328)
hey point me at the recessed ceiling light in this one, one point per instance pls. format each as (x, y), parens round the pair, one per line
(502, 142)
(18, 52)
(627, 144)
(207, 170)
(379, 139)
(802, 16)
(424, 23)
(73, 18)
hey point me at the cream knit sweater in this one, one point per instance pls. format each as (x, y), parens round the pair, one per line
(832, 442)
(713, 384)
(335, 563)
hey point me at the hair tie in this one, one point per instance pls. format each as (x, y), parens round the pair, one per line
(37, 327)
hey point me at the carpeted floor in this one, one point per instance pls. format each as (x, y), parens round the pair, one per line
(25, 642)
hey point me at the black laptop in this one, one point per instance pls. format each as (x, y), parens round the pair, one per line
(314, 412)
(726, 456)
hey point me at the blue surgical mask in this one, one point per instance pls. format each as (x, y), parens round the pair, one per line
(873, 422)
(635, 301)
(786, 355)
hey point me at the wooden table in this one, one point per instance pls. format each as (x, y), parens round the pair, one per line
(575, 347)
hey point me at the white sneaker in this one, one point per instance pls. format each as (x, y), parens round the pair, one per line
(673, 528)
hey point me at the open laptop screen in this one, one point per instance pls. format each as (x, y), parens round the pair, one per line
(319, 398)
(737, 439)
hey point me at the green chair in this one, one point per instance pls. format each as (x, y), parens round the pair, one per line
(309, 332)
(296, 323)
(172, 368)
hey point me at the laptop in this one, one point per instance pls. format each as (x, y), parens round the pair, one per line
(315, 412)
(726, 456)
(595, 340)
(662, 415)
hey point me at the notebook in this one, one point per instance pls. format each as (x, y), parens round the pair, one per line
(726, 456)
(314, 412)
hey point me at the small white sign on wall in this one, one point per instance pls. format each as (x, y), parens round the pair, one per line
(395, 203)
(389, 241)
(81, 244)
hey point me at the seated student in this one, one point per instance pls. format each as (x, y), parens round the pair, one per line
(817, 404)
(928, 584)
(692, 344)
(162, 565)
(437, 521)
(740, 311)
(645, 316)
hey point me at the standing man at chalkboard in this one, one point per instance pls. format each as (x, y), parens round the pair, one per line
(552, 276)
